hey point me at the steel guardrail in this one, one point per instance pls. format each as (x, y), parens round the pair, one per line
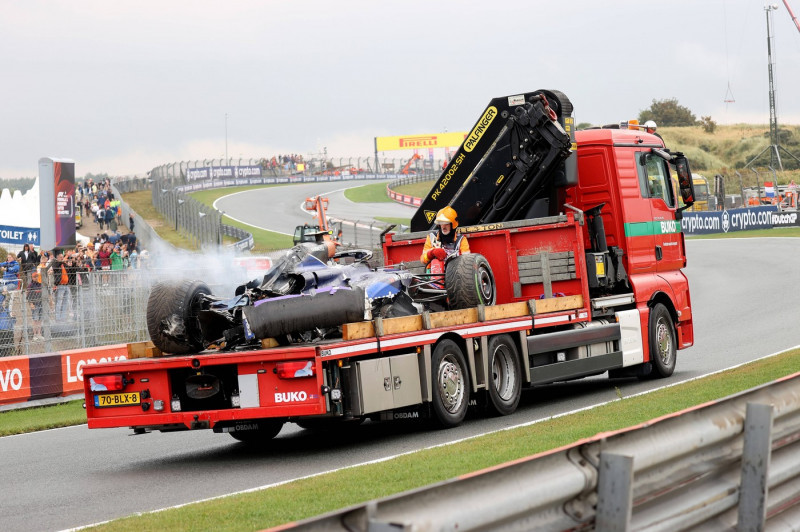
(733, 463)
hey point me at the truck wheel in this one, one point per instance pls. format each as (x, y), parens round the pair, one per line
(450, 384)
(661, 334)
(469, 281)
(266, 431)
(505, 383)
(172, 316)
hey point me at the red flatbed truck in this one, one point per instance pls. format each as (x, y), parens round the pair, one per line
(582, 233)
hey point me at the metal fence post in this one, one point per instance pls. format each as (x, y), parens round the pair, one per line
(26, 341)
(47, 299)
(78, 310)
(755, 466)
(614, 493)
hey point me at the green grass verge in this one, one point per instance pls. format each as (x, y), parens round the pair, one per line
(265, 241)
(418, 190)
(309, 497)
(142, 204)
(374, 193)
(42, 417)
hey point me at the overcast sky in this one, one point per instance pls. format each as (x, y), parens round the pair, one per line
(123, 86)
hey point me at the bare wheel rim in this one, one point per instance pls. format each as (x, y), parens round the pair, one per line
(451, 384)
(503, 376)
(664, 340)
(485, 285)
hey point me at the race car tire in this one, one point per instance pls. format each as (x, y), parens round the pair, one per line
(469, 282)
(172, 316)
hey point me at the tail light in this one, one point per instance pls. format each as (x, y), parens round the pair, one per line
(293, 370)
(107, 383)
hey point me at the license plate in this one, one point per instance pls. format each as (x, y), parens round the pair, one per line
(117, 399)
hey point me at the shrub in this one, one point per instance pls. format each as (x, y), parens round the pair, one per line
(709, 125)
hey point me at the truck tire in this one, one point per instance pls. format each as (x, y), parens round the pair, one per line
(505, 376)
(661, 337)
(266, 431)
(469, 282)
(450, 384)
(172, 317)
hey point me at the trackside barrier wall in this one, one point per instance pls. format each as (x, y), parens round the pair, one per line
(693, 223)
(679, 472)
(27, 378)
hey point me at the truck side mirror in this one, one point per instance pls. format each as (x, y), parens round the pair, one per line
(685, 184)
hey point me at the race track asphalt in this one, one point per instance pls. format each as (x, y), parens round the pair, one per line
(744, 295)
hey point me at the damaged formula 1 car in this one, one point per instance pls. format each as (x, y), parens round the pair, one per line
(306, 296)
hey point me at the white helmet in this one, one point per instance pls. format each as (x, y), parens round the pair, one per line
(650, 125)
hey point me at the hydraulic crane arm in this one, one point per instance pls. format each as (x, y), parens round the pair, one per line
(510, 164)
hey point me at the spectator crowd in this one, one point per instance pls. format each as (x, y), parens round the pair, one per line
(287, 162)
(58, 274)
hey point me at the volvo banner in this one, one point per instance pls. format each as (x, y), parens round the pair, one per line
(57, 203)
(708, 222)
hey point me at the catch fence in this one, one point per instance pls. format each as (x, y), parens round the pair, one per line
(105, 308)
(203, 227)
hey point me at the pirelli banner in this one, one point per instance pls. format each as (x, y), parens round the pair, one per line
(416, 142)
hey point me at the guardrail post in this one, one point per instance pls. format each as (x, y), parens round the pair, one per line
(614, 493)
(755, 466)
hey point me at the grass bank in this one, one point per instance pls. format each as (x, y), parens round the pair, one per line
(373, 193)
(418, 190)
(42, 418)
(265, 241)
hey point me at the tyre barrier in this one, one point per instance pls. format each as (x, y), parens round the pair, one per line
(29, 378)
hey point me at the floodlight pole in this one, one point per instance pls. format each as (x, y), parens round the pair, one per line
(774, 147)
(773, 113)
